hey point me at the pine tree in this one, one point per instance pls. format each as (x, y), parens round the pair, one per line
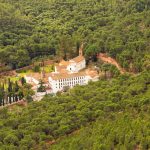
(23, 81)
(41, 87)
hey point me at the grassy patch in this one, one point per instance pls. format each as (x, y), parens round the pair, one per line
(48, 68)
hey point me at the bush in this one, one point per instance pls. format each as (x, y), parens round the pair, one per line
(36, 68)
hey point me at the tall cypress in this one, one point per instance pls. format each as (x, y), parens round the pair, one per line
(1, 96)
(23, 81)
(3, 93)
(16, 89)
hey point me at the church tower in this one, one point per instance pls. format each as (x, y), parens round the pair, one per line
(81, 50)
(42, 73)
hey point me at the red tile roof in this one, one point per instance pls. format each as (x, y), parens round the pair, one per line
(58, 76)
(64, 63)
(78, 59)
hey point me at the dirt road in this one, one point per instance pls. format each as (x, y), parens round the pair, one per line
(104, 57)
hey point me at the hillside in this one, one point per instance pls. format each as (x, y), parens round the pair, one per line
(30, 29)
(115, 113)
(110, 114)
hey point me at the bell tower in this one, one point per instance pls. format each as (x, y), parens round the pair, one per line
(42, 73)
(81, 50)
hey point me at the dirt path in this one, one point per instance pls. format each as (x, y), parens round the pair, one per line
(104, 57)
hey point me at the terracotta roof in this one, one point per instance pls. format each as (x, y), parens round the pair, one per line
(61, 69)
(77, 59)
(92, 73)
(63, 75)
(64, 63)
(36, 76)
(58, 76)
(45, 78)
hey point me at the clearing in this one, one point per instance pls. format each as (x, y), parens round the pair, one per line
(104, 57)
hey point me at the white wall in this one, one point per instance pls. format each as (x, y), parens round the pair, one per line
(31, 79)
(81, 65)
(58, 85)
(72, 67)
(75, 67)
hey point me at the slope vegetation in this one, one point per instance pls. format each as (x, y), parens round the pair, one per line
(30, 29)
(118, 111)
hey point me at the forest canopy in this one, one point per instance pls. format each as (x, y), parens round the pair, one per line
(108, 114)
(30, 29)
(114, 112)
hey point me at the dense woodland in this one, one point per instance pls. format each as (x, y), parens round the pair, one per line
(111, 114)
(108, 114)
(34, 28)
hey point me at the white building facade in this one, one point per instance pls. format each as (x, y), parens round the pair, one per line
(58, 83)
(70, 73)
(76, 64)
(67, 74)
(30, 79)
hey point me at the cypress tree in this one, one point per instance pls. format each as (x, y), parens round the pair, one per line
(23, 81)
(1, 96)
(10, 89)
(3, 92)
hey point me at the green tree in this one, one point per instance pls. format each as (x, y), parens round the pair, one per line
(41, 87)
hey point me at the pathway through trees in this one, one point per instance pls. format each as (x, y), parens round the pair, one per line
(104, 57)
